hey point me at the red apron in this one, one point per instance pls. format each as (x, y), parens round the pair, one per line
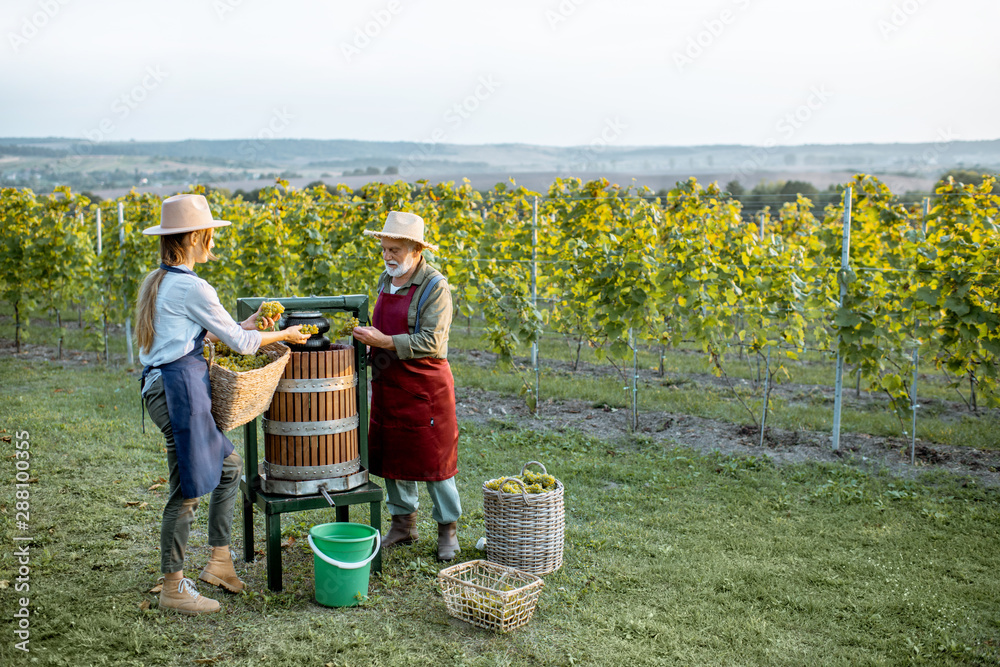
(413, 432)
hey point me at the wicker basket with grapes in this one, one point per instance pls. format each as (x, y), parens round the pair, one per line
(243, 384)
(525, 520)
(489, 595)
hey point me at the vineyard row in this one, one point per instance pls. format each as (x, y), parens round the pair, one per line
(612, 265)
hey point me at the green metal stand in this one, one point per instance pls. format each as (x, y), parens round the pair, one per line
(274, 505)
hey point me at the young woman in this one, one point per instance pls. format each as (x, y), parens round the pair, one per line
(176, 311)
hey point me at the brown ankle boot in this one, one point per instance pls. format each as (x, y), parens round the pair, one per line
(402, 531)
(448, 540)
(220, 571)
(182, 597)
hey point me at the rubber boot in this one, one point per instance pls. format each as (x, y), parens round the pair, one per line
(220, 571)
(184, 598)
(447, 540)
(402, 531)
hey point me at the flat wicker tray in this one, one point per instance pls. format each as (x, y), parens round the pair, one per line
(488, 595)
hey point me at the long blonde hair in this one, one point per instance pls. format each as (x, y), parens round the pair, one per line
(173, 251)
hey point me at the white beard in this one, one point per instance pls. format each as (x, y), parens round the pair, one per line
(397, 270)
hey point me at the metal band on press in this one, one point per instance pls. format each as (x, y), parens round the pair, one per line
(312, 472)
(316, 385)
(311, 428)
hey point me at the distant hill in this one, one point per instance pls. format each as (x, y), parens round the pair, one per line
(491, 157)
(42, 162)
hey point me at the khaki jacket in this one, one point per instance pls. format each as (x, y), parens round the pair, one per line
(435, 318)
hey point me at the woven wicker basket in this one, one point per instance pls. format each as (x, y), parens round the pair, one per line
(489, 595)
(239, 397)
(525, 531)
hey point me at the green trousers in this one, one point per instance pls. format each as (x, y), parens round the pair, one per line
(178, 514)
(401, 498)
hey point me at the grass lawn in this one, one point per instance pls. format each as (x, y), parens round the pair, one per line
(671, 557)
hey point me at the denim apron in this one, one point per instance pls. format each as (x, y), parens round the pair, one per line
(198, 442)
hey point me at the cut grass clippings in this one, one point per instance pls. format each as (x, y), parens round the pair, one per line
(672, 558)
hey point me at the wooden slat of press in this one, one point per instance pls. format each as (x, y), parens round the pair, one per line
(346, 398)
(302, 408)
(337, 414)
(286, 441)
(344, 411)
(267, 438)
(295, 457)
(278, 403)
(328, 402)
(341, 398)
(353, 403)
(313, 409)
(321, 370)
(286, 412)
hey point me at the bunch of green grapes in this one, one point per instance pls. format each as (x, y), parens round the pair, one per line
(309, 328)
(486, 606)
(240, 363)
(271, 310)
(221, 349)
(348, 327)
(533, 483)
(545, 481)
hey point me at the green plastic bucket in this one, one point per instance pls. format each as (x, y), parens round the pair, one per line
(342, 556)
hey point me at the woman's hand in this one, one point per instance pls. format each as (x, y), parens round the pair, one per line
(294, 335)
(250, 323)
(373, 337)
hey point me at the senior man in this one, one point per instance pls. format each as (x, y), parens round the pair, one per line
(413, 432)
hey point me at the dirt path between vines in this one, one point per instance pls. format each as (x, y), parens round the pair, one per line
(707, 435)
(704, 435)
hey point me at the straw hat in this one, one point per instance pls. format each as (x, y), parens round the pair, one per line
(408, 226)
(184, 213)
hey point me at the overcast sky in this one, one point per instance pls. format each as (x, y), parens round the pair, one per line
(525, 71)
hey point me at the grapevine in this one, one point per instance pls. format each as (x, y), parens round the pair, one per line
(617, 268)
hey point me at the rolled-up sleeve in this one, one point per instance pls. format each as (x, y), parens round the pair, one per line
(204, 307)
(435, 322)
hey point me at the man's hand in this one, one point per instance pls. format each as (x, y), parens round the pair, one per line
(373, 337)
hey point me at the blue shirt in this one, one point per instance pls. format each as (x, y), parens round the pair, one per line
(186, 304)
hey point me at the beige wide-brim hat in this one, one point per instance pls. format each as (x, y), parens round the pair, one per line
(184, 213)
(399, 225)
